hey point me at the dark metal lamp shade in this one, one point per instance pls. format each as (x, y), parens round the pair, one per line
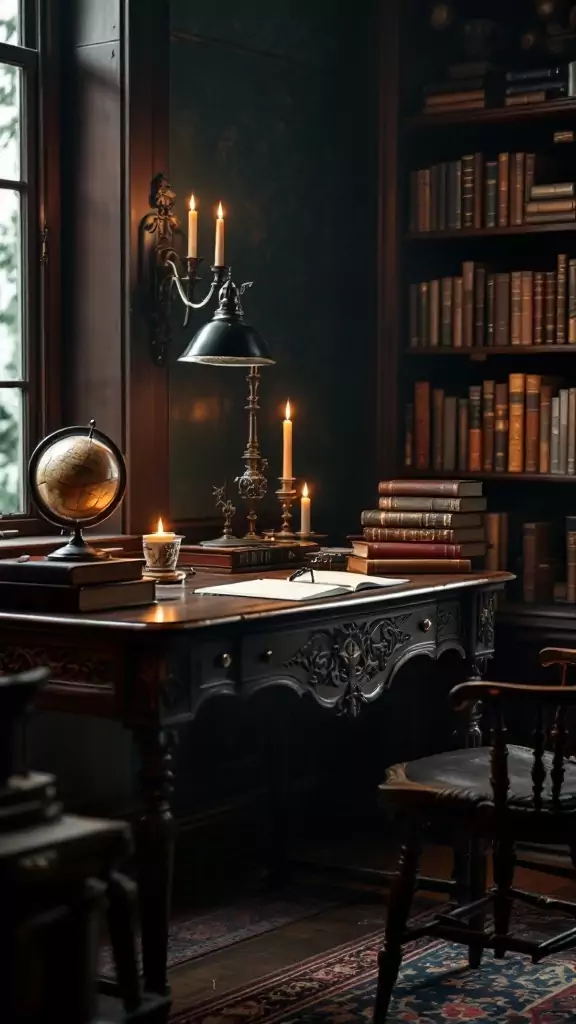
(227, 340)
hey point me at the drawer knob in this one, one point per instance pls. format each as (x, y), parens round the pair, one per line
(266, 656)
(224, 660)
(425, 625)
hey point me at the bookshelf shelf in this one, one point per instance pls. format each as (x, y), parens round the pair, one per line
(465, 234)
(491, 116)
(456, 474)
(480, 354)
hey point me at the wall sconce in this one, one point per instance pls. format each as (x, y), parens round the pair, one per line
(226, 340)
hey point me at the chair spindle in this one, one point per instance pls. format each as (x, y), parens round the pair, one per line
(538, 769)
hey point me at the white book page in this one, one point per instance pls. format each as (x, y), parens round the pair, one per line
(275, 590)
(353, 580)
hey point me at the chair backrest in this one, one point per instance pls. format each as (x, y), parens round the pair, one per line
(557, 698)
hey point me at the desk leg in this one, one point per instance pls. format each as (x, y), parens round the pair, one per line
(154, 834)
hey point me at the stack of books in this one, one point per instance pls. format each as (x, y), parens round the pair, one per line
(421, 526)
(464, 88)
(539, 85)
(38, 584)
(548, 204)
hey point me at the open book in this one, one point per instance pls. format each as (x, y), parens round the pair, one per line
(326, 584)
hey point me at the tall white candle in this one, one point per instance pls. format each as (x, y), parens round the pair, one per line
(305, 510)
(287, 445)
(219, 243)
(192, 228)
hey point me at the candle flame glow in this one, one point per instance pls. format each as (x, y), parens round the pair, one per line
(160, 527)
(305, 491)
(288, 409)
(192, 202)
(220, 212)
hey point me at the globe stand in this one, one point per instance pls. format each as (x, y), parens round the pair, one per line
(77, 550)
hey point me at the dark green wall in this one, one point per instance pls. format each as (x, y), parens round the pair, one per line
(274, 111)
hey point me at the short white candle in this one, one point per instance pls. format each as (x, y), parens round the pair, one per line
(160, 536)
(192, 229)
(219, 243)
(305, 511)
(287, 445)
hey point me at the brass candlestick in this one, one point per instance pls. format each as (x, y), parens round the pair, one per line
(286, 495)
(252, 484)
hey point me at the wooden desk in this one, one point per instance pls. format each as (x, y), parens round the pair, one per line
(153, 668)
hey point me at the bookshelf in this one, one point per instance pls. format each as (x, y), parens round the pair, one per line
(411, 139)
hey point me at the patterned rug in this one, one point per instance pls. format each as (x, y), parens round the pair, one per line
(435, 987)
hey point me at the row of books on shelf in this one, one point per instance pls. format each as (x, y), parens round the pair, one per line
(549, 572)
(480, 308)
(483, 85)
(473, 192)
(526, 424)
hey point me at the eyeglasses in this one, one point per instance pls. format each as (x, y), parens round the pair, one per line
(301, 572)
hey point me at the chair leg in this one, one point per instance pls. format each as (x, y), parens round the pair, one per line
(400, 901)
(504, 860)
(478, 867)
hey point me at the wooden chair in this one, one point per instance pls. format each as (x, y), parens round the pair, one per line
(496, 794)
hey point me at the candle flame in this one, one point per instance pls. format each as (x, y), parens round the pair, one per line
(220, 214)
(305, 491)
(192, 202)
(160, 527)
(288, 409)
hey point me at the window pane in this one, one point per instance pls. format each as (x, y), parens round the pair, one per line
(10, 27)
(10, 92)
(10, 287)
(11, 451)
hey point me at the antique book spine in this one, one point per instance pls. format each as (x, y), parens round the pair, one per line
(446, 332)
(411, 549)
(492, 521)
(468, 190)
(434, 312)
(572, 302)
(437, 424)
(561, 189)
(519, 172)
(503, 189)
(490, 310)
(475, 428)
(409, 435)
(455, 99)
(479, 305)
(502, 310)
(545, 427)
(525, 99)
(425, 503)
(555, 435)
(424, 199)
(501, 428)
(376, 520)
(457, 312)
(422, 423)
(468, 304)
(515, 306)
(430, 488)
(454, 204)
(449, 435)
(550, 307)
(423, 314)
(529, 562)
(442, 196)
(530, 166)
(491, 194)
(413, 218)
(385, 535)
(571, 432)
(478, 188)
(434, 197)
(516, 389)
(563, 443)
(551, 206)
(488, 389)
(561, 282)
(532, 459)
(413, 316)
(538, 308)
(565, 136)
(527, 307)
(408, 566)
(571, 559)
(463, 435)
(551, 218)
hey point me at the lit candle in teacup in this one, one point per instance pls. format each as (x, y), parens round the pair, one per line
(161, 550)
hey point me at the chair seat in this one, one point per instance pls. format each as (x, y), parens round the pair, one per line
(461, 778)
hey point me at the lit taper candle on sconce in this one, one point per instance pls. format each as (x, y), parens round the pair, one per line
(192, 229)
(219, 241)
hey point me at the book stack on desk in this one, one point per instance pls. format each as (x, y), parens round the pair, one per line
(39, 584)
(422, 526)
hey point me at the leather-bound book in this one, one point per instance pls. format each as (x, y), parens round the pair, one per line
(572, 302)
(416, 549)
(454, 195)
(431, 488)
(538, 308)
(561, 286)
(571, 432)
(463, 435)
(424, 199)
(501, 428)
(449, 435)
(409, 435)
(488, 395)
(413, 224)
(437, 425)
(563, 442)
(551, 218)
(527, 307)
(490, 308)
(491, 194)
(434, 313)
(423, 313)
(428, 503)
(478, 188)
(375, 520)
(516, 389)
(515, 307)
(457, 312)
(408, 566)
(503, 189)
(413, 316)
(468, 304)
(422, 423)
(446, 331)
(442, 196)
(517, 188)
(555, 435)
(434, 197)
(543, 206)
(571, 559)
(532, 459)
(529, 169)
(550, 307)
(468, 190)
(475, 428)
(545, 427)
(383, 534)
(537, 585)
(492, 520)
(502, 310)
(479, 305)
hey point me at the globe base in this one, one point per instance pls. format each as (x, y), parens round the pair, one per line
(77, 550)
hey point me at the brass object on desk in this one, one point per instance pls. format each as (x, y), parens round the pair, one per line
(286, 496)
